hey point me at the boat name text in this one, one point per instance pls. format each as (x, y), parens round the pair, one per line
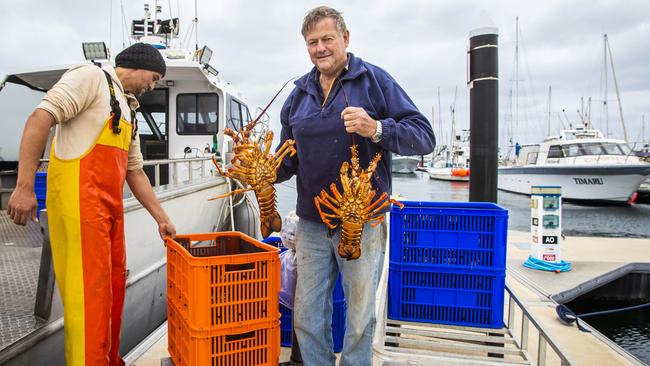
(588, 180)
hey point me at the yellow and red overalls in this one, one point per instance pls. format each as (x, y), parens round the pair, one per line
(86, 224)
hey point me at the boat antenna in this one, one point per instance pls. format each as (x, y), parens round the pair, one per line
(110, 25)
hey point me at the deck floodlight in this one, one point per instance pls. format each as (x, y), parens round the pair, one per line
(211, 70)
(95, 51)
(206, 55)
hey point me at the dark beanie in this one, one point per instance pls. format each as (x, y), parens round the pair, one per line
(141, 56)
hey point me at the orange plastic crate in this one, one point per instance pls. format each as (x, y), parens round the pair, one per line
(222, 280)
(256, 344)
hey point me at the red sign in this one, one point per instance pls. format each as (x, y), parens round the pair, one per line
(548, 257)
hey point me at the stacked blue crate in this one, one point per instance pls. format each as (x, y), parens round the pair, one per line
(338, 320)
(447, 263)
(338, 314)
(40, 189)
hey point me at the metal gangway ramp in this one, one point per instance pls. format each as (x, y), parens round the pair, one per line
(400, 343)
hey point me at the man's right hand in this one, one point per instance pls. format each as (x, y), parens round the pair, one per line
(23, 206)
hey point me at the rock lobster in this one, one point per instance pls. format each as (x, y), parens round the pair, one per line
(355, 206)
(256, 167)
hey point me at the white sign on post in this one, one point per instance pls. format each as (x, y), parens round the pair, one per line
(546, 223)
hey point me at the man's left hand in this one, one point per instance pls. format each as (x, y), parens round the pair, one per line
(357, 120)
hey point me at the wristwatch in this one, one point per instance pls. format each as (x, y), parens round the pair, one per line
(377, 136)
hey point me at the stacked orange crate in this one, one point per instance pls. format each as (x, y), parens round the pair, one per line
(222, 300)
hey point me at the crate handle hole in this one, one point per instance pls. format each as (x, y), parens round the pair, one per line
(240, 267)
(239, 337)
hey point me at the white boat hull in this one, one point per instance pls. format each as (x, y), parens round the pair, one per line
(616, 184)
(445, 174)
(405, 164)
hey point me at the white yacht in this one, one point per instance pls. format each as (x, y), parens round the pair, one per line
(589, 168)
(404, 164)
(181, 126)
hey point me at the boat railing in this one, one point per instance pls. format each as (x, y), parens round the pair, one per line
(176, 175)
(519, 321)
(194, 168)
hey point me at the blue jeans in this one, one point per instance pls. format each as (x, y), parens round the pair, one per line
(318, 266)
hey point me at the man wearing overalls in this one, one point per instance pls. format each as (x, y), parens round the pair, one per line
(95, 149)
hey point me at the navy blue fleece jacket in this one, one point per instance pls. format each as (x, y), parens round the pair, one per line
(322, 143)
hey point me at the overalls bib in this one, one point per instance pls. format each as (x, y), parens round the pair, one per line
(86, 224)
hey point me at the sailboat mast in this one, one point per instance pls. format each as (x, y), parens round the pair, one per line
(439, 116)
(517, 73)
(618, 95)
(605, 85)
(548, 127)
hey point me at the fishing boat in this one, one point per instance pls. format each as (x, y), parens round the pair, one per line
(589, 167)
(181, 125)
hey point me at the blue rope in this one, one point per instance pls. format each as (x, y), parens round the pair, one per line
(542, 265)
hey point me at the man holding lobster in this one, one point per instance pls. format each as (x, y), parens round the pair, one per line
(342, 101)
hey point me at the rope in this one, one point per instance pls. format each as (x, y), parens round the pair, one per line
(542, 265)
(568, 317)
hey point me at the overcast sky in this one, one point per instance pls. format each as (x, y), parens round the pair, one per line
(257, 46)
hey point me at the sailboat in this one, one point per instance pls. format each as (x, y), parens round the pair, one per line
(590, 167)
(181, 126)
(452, 161)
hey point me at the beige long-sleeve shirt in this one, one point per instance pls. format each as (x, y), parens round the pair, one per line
(80, 105)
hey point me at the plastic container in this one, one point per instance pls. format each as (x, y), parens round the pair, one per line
(255, 344)
(461, 235)
(437, 294)
(222, 280)
(338, 325)
(338, 313)
(40, 189)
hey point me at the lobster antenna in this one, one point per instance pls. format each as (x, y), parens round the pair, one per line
(347, 102)
(252, 123)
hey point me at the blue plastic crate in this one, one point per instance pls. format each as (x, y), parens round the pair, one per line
(462, 235)
(338, 325)
(338, 321)
(441, 295)
(40, 189)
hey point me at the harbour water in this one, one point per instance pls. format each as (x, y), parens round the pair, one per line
(578, 220)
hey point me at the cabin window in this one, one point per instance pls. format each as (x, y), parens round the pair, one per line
(555, 152)
(531, 158)
(626, 149)
(612, 149)
(239, 115)
(572, 150)
(592, 149)
(197, 114)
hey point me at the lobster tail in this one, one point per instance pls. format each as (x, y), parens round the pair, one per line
(271, 224)
(350, 245)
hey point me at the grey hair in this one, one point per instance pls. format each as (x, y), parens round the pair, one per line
(317, 14)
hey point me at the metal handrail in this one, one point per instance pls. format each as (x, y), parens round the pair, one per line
(526, 319)
(174, 163)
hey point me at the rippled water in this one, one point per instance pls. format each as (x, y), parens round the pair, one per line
(630, 330)
(578, 220)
